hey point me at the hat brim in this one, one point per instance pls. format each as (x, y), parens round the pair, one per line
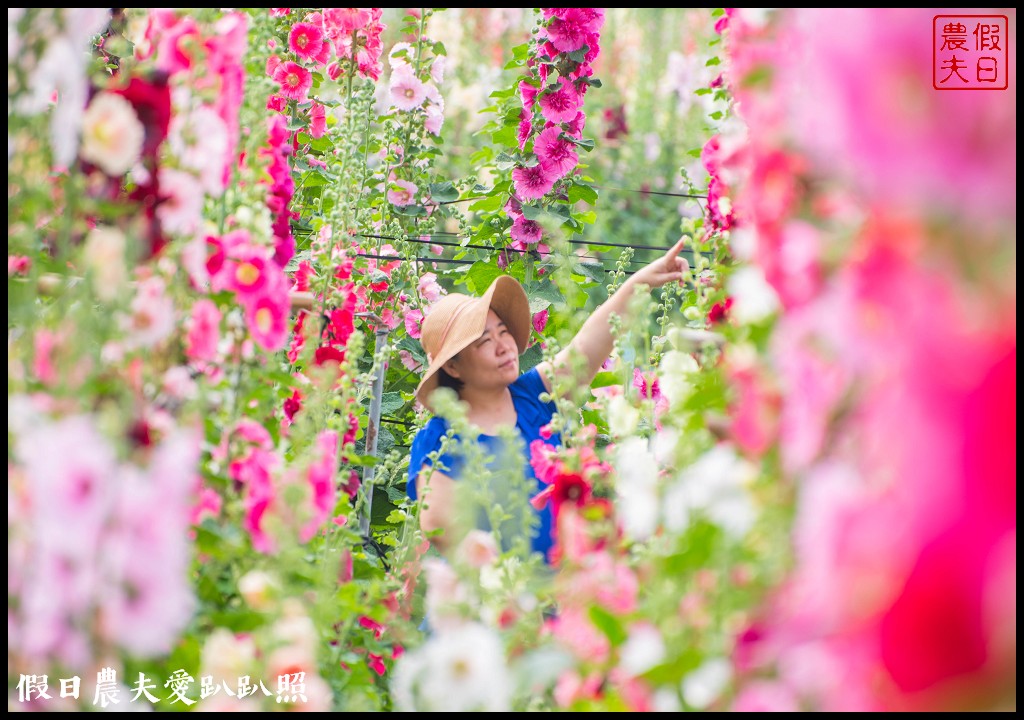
(507, 298)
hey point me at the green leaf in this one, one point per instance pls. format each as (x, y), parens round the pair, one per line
(443, 191)
(391, 402)
(410, 210)
(605, 379)
(702, 91)
(529, 359)
(589, 217)
(537, 304)
(481, 275)
(713, 61)
(718, 12)
(608, 624)
(696, 152)
(582, 192)
(488, 204)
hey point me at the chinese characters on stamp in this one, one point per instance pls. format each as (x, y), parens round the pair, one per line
(970, 52)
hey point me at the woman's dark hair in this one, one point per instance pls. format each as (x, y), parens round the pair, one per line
(446, 380)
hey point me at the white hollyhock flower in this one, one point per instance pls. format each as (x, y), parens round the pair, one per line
(643, 649)
(636, 485)
(623, 417)
(674, 375)
(111, 134)
(703, 686)
(753, 298)
(715, 484)
(462, 670)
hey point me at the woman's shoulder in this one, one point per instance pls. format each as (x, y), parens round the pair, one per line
(526, 392)
(431, 433)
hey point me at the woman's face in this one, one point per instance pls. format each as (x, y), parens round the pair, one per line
(491, 361)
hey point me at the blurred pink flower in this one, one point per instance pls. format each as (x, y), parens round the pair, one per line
(765, 696)
(204, 331)
(181, 202)
(429, 288)
(321, 475)
(574, 631)
(317, 120)
(152, 315)
(540, 320)
(267, 319)
(18, 265)
(414, 323)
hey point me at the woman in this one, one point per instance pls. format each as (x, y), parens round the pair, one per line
(473, 346)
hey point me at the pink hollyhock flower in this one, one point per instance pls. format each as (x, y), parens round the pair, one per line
(18, 265)
(295, 80)
(42, 363)
(540, 320)
(273, 63)
(524, 131)
(317, 120)
(251, 273)
(572, 30)
(562, 104)
(414, 323)
(408, 361)
(306, 40)
(429, 288)
(765, 696)
(152, 315)
(345, 21)
(574, 631)
(571, 688)
(208, 505)
(111, 134)
(321, 480)
(524, 233)
(181, 202)
(528, 91)
(558, 156)
(200, 141)
(434, 119)
(174, 45)
(532, 183)
(267, 319)
(401, 192)
(407, 92)
(279, 12)
(204, 331)
(277, 103)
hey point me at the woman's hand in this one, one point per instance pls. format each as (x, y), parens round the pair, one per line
(665, 269)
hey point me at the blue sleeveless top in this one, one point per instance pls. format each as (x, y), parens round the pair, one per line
(531, 416)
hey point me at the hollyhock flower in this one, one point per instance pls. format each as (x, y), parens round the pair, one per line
(317, 120)
(295, 81)
(524, 131)
(112, 135)
(637, 488)
(571, 688)
(478, 549)
(267, 319)
(279, 12)
(306, 40)
(558, 156)
(408, 361)
(643, 650)
(103, 256)
(532, 183)
(345, 21)
(703, 686)
(574, 28)
(204, 331)
(402, 192)
(178, 46)
(525, 233)
(753, 298)
(251, 273)
(406, 91)
(458, 670)
(715, 485)
(181, 202)
(414, 323)
(152, 103)
(573, 629)
(765, 696)
(540, 320)
(528, 91)
(434, 119)
(200, 141)
(429, 288)
(18, 265)
(152, 315)
(321, 480)
(562, 104)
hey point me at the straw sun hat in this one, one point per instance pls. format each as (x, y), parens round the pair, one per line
(456, 321)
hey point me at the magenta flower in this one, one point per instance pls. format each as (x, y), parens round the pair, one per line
(294, 79)
(525, 232)
(279, 12)
(306, 40)
(532, 183)
(540, 320)
(573, 29)
(413, 323)
(321, 477)
(562, 104)
(557, 155)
